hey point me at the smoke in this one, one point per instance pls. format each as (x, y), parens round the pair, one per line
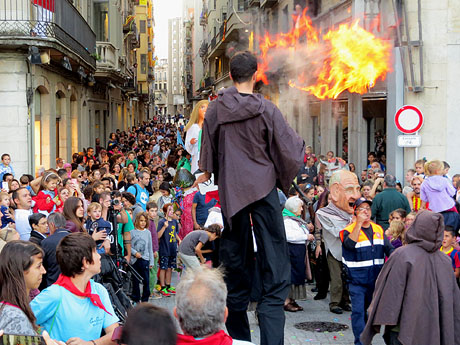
(345, 58)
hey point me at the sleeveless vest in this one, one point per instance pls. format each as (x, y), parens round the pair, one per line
(363, 264)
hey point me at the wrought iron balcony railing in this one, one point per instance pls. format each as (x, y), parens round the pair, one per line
(52, 20)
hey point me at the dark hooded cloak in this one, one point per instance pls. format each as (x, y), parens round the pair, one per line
(416, 289)
(249, 147)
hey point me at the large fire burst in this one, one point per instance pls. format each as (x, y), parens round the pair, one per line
(347, 58)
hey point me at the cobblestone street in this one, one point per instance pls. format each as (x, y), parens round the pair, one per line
(313, 311)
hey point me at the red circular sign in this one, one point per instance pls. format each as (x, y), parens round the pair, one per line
(409, 119)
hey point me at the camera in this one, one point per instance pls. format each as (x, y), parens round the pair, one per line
(115, 202)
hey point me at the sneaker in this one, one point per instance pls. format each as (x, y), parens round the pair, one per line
(165, 293)
(155, 295)
(172, 290)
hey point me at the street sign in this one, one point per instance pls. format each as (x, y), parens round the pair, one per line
(409, 119)
(409, 140)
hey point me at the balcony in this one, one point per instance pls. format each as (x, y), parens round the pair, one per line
(204, 17)
(203, 49)
(50, 24)
(234, 22)
(233, 30)
(108, 56)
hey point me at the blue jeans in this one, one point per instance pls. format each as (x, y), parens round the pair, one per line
(361, 297)
(142, 267)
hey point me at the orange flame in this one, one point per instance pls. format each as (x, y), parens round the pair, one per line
(351, 58)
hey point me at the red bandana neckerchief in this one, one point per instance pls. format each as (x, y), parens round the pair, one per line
(67, 284)
(220, 338)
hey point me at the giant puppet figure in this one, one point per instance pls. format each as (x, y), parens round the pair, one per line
(193, 135)
(344, 191)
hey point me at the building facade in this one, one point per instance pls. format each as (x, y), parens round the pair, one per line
(145, 59)
(175, 66)
(425, 66)
(68, 76)
(161, 87)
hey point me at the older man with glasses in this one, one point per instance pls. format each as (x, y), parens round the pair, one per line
(364, 248)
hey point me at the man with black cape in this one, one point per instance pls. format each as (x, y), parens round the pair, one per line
(251, 150)
(416, 296)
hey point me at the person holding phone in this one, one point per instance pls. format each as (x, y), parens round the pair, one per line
(21, 270)
(364, 249)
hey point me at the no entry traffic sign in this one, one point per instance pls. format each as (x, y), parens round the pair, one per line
(409, 119)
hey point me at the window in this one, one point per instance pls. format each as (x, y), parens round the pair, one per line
(142, 25)
(101, 20)
(242, 5)
(274, 22)
(143, 63)
(160, 86)
(285, 19)
(156, 86)
(164, 76)
(174, 41)
(165, 86)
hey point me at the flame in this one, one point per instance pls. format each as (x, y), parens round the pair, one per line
(346, 58)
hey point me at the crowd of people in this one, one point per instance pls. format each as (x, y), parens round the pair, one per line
(139, 200)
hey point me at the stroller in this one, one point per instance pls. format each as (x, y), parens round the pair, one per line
(115, 281)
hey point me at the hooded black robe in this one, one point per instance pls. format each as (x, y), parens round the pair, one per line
(416, 289)
(249, 147)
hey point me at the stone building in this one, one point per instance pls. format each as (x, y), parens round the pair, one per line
(161, 87)
(67, 75)
(175, 65)
(424, 69)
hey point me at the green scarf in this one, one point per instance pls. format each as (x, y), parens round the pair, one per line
(184, 163)
(287, 213)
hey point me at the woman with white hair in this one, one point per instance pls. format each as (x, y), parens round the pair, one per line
(297, 236)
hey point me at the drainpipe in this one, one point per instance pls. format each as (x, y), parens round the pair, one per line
(30, 118)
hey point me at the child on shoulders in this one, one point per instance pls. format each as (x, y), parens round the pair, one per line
(438, 192)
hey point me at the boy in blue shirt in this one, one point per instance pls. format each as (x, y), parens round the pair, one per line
(99, 229)
(168, 230)
(5, 167)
